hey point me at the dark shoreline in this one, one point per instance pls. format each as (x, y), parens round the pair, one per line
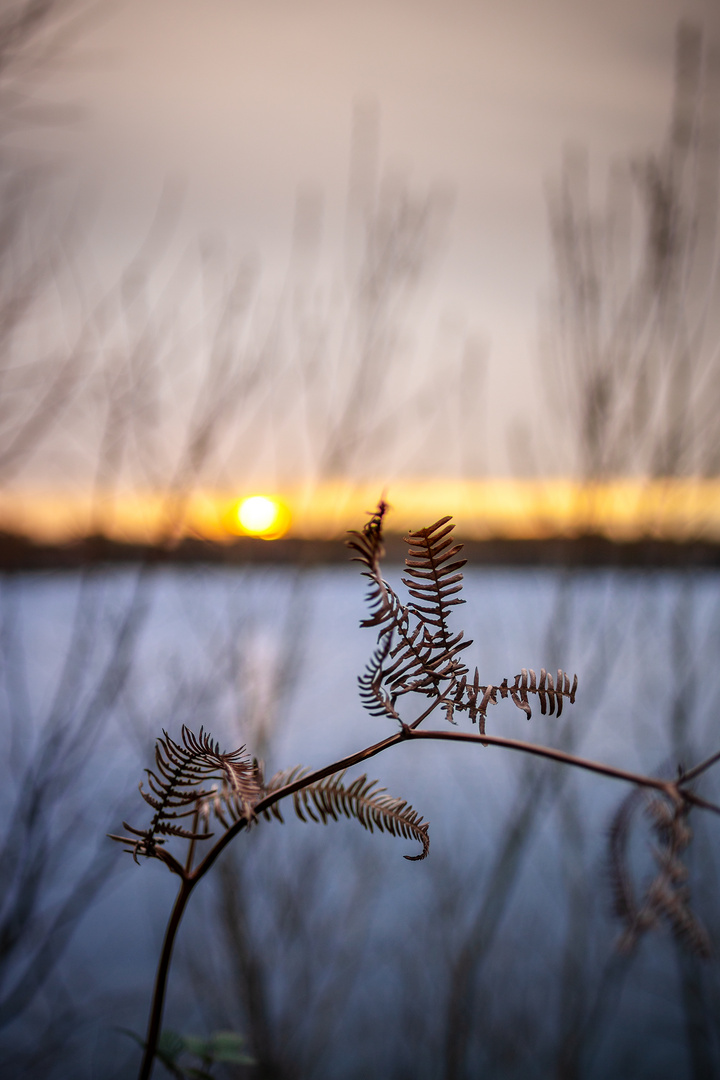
(19, 554)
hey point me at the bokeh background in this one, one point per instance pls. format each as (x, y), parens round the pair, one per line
(464, 255)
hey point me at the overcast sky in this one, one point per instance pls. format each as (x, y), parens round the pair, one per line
(247, 99)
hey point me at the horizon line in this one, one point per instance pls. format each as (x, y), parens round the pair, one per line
(672, 508)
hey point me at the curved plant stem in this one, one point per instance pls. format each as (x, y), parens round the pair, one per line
(161, 978)
(408, 732)
(546, 752)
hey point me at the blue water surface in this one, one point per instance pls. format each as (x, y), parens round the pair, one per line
(496, 956)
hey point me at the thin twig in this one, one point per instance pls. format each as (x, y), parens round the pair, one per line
(698, 769)
(691, 797)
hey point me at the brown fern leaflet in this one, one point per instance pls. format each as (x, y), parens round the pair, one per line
(360, 799)
(666, 898)
(177, 791)
(417, 651)
(328, 799)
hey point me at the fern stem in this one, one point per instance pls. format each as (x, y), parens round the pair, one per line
(431, 708)
(408, 732)
(547, 752)
(191, 847)
(161, 978)
(701, 768)
(691, 797)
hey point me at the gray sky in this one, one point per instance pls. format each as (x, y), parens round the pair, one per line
(247, 99)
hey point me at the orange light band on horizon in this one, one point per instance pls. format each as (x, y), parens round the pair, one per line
(625, 509)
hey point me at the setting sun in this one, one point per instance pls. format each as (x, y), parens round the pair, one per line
(262, 516)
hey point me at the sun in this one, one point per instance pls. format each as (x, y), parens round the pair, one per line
(260, 515)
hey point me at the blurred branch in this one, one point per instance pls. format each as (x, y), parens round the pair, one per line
(633, 321)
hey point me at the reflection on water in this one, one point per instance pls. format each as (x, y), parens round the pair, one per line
(334, 955)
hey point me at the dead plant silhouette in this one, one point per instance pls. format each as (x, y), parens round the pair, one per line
(417, 654)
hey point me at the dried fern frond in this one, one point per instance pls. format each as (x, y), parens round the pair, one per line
(381, 599)
(375, 699)
(361, 800)
(177, 787)
(434, 575)
(423, 653)
(666, 897)
(625, 906)
(421, 663)
(434, 578)
(475, 698)
(228, 804)
(417, 652)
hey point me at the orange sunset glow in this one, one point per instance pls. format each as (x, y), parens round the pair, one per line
(680, 510)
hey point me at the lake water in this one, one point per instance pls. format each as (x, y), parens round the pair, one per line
(495, 956)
